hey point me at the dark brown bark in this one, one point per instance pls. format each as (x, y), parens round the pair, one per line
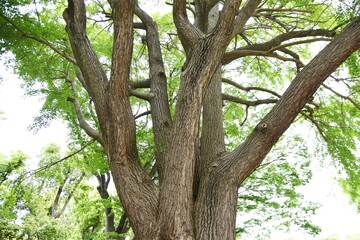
(197, 196)
(111, 98)
(268, 48)
(159, 102)
(172, 211)
(87, 60)
(137, 192)
(218, 189)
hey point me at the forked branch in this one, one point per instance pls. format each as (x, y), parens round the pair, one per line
(244, 15)
(188, 33)
(302, 88)
(268, 48)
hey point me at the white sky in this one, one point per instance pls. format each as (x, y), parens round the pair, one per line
(19, 112)
(336, 217)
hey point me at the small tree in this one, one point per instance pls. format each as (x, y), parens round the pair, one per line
(199, 172)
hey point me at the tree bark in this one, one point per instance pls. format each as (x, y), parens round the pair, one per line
(172, 211)
(137, 192)
(159, 102)
(217, 198)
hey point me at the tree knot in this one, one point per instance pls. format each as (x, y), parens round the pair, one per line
(262, 127)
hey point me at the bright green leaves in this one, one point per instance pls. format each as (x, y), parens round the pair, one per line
(271, 197)
(352, 63)
(339, 127)
(9, 168)
(347, 10)
(12, 165)
(29, 207)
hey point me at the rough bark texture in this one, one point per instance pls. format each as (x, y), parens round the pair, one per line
(159, 102)
(198, 180)
(137, 192)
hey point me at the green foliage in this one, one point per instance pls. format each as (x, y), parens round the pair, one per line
(26, 202)
(270, 197)
(12, 165)
(338, 127)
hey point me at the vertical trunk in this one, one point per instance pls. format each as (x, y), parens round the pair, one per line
(176, 208)
(212, 132)
(176, 198)
(217, 198)
(138, 194)
(215, 211)
(215, 214)
(159, 102)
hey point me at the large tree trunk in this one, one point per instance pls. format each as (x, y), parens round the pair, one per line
(217, 197)
(197, 196)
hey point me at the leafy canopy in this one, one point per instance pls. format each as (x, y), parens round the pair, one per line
(34, 33)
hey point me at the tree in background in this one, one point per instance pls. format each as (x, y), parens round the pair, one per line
(54, 201)
(212, 79)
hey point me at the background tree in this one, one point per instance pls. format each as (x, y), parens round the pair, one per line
(215, 115)
(54, 201)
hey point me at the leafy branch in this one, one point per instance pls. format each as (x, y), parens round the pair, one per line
(28, 174)
(40, 40)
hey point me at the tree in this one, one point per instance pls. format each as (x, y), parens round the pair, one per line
(58, 203)
(198, 171)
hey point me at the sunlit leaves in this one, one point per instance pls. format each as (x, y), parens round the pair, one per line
(271, 195)
(34, 29)
(26, 203)
(12, 165)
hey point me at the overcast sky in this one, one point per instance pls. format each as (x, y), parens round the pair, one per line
(336, 217)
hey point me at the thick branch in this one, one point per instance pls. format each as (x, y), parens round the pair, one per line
(159, 101)
(268, 48)
(188, 33)
(226, 22)
(141, 95)
(244, 15)
(268, 131)
(247, 102)
(203, 10)
(140, 84)
(83, 124)
(92, 73)
(138, 194)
